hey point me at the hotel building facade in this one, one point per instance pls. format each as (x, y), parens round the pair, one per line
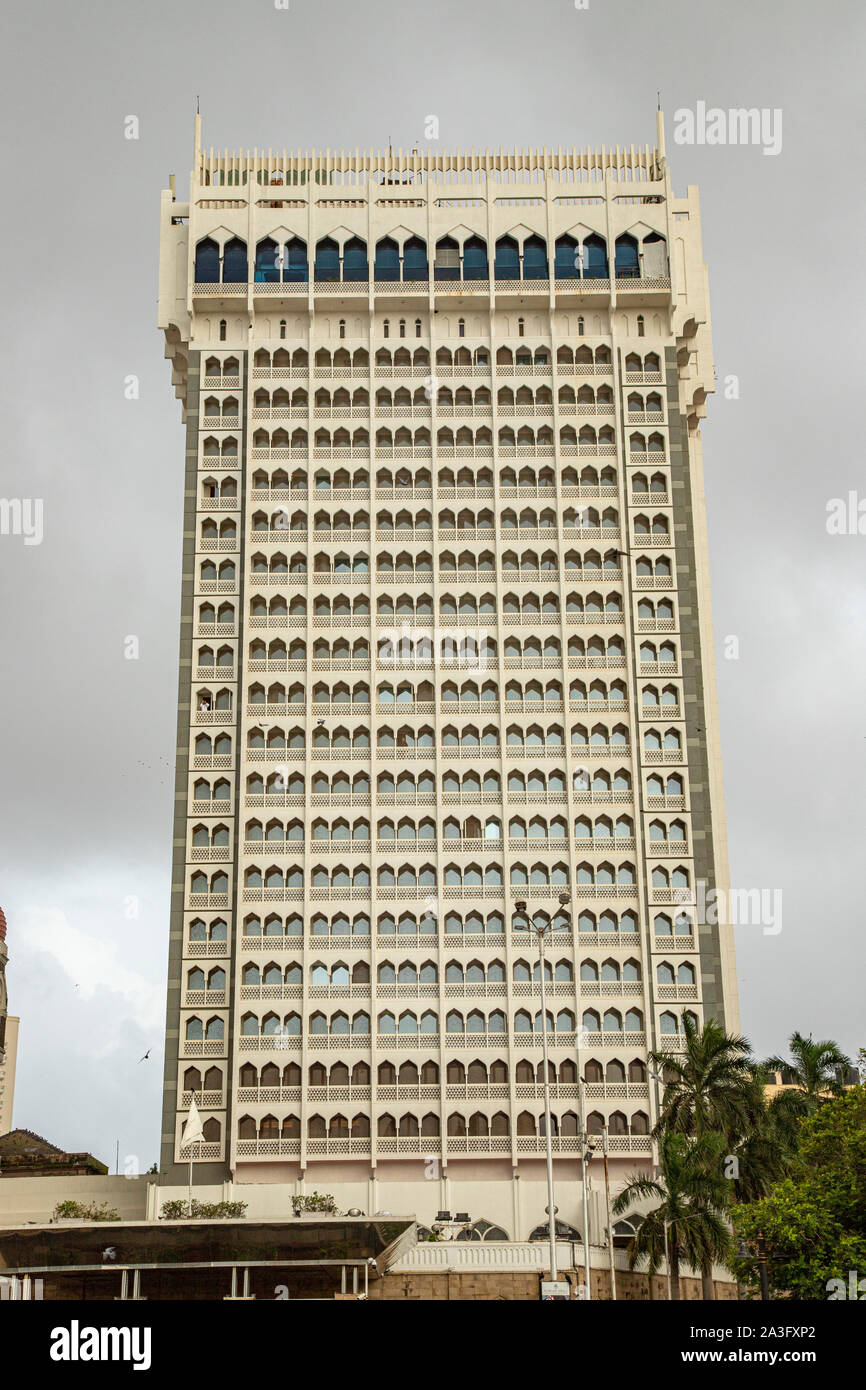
(446, 670)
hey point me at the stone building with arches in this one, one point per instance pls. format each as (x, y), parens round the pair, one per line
(446, 671)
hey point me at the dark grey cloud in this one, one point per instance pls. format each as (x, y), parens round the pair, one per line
(88, 737)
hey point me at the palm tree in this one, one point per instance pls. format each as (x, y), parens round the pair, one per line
(688, 1223)
(709, 1084)
(710, 1089)
(815, 1067)
(764, 1150)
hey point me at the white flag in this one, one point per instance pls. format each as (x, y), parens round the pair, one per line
(192, 1129)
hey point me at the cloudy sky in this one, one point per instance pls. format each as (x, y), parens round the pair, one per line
(88, 736)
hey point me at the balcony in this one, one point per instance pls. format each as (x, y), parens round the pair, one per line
(208, 1100)
(193, 998)
(203, 1151)
(208, 1047)
(617, 1144)
(447, 282)
(206, 948)
(613, 1090)
(207, 900)
(677, 942)
(650, 499)
(272, 1148)
(656, 288)
(430, 1042)
(660, 849)
(642, 378)
(619, 989)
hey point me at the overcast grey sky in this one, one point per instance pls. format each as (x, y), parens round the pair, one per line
(88, 737)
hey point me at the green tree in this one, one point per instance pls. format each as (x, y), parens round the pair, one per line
(814, 1220)
(688, 1221)
(711, 1089)
(709, 1084)
(764, 1151)
(815, 1068)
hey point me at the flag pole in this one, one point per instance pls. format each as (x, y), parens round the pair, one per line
(192, 1134)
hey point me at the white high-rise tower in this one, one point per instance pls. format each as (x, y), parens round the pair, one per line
(446, 649)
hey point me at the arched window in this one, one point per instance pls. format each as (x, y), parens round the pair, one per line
(562, 1230)
(268, 257)
(387, 263)
(447, 263)
(415, 265)
(482, 1230)
(623, 1233)
(355, 260)
(475, 259)
(222, 330)
(595, 258)
(506, 262)
(207, 262)
(235, 262)
(295, 266)
(327, 266)
(534, 258)
(627, 265)
(565, 258)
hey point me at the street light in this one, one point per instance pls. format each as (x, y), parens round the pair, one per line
(540, 930)
(587, 1145)
(611, 1257)
(658, 1078)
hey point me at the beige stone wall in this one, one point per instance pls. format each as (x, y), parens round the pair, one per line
(524, 1288)
(34, 1199)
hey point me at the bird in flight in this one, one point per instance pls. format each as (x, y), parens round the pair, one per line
(146, 1056)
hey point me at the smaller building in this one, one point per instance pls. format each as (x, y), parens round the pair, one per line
(24, 1154)
(179, 1260)
(785, 1080)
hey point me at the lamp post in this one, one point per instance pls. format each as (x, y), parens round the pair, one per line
(548, 1141)
(658, 1078)
(762, 1267)
(586, 1149)
(609, 1217)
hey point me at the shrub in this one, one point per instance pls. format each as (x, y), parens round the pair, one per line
(179, 1210)
(84, 1211)
(316, 1201)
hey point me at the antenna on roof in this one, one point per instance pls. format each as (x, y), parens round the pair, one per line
(197, 112)
(658, 101)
